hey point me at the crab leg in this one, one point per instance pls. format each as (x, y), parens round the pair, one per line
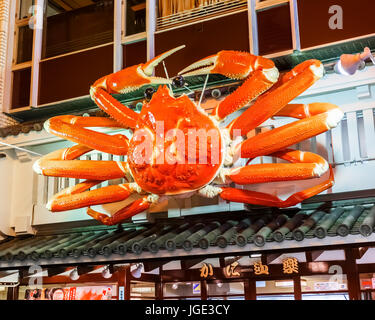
(264, 199)
(304, 165)
(290, 86)
(260, 74)
(323, 117)
(78, 197)
(73, 128)
(61, 163)
(125, 81)
(129, 211)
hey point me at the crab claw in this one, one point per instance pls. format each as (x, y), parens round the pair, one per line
(259, 74)
(134, 77)
(232, 64)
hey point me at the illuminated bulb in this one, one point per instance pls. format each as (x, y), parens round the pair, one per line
(219, 284)
(74, 275)
(174, 286)
(106, 273)
(137, 271)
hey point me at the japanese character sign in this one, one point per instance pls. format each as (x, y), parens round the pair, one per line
(259, 268)
(290, 265)
(230, 270)
(206, 270)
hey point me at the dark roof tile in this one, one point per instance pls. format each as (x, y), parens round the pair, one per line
(174, 234)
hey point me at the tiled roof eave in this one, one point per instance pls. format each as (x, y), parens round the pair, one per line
(178, 253)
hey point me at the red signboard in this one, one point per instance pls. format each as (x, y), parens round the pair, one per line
(327, 21)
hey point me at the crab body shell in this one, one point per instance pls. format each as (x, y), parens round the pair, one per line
(166, 155)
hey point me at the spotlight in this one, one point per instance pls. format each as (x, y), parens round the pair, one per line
(137, 271)
(350, 63)
(106, 273)
(175, 286)
(219, 284)
(74, 274)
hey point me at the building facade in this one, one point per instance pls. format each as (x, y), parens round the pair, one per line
(52, 51)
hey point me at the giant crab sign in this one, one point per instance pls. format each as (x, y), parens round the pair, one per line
(177, 149)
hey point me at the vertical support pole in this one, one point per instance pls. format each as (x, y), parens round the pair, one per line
(250, 289)
(124, 276)
(9, 25)
(203, 289)
(40, 8)
(352, 275)
(295, 25)
(150, 27)
(117, 35)
(297, 288)
(158, 291)
(253, 27)
(12, 293)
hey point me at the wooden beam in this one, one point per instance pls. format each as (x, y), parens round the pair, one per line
(311, 256)
(231, 260)
(250, 289)
(152, 265)
(203, 290)
(95, 277)
(272, 257)
(352, 275)
(138, 7)
(56, 271)
(297, 288)
(359, 252)
(188, 263)
(123, 282)
(222, 262)
(63, 5)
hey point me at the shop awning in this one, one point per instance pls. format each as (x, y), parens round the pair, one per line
(196, 236)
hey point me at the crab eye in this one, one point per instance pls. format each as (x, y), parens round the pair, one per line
(149, 93)
(179, 81)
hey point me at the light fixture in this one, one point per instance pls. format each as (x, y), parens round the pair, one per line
(350, 63)
(219, 284)
(136, 270)
(74, 274)
(175, 286)
(106, 273)
(255, 255)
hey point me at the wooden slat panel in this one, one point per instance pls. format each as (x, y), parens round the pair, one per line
(71, 76)
(201, 40)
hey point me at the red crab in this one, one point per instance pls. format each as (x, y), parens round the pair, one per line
(166, 157)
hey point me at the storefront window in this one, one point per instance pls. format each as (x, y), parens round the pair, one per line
(274, 30)
(142, 290)
(21, 88)
(324, 283)
(275, 290)
(367, 283)
(77, 25)
(24, 8)
(24, 44)
(3, 293)
(226, 290)
(326, 296)
(68, 292)
(181, 290)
